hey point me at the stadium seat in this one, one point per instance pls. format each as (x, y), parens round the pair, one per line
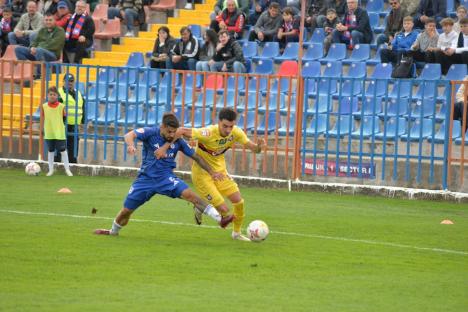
(185, 98)
(311, 69)
(133, 116)
(379, 80)
(128, 77)
(152, 117)
(214, 82)
(344, 126)
(355, 85)
(426, 90)
(274, 122)
(106, 76)
(318, 36)
(202, 118)
(347, 105)
(196, 30)
(110, 114)
(100, 13)
(284, 130)
(152, 78)
(327, 85)
(111, 30)
(430, 72)
(369, 126)
(288, 69)
(317, 126)
(457, 72)
(186, 112)
(370, 106)
(375, 6)
(210, 96)
(360, 53)
(250, 99)
(274, 100)
(250, 49)
(322, 104)
(163, 5)
(120, 93)
(442, 112)
(424, 108)
(374, 21)
(161, 97)
(395, 107)
(419, 130)
(140, 95)
(459, 140)
(286, 82)
(231, 83)
(337, 52)
(264, 67)
(136, 59)
(290, 53)
(92, 111)
(250, 123)
(376, 58)
(314, 52)
(439, 137)
(392, 129)
(357, 70)
(269, 52)
(401, 89)
(289, 104)
(9, 54)
(97, 93)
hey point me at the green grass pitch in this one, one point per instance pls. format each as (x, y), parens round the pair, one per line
(326, 252)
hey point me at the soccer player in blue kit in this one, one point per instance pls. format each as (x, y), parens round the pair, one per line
(156, 175)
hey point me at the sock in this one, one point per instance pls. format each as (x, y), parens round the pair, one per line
(115, 228)
(65, 160)
(50, 159)
(212, 212)
(239, 216)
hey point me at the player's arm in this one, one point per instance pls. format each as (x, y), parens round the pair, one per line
(184, 132)
(161, 152)
(217, 176)
(255, 147)
(130, 141)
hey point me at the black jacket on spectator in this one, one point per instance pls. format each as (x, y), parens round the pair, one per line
(165, 49)
(438, 8)
(187, 49)
(363, 25)
(394, 21)
(18, 8)
(229, 54)
(340, 8)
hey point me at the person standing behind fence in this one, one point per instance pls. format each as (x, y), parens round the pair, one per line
(53, 114)
(75, 105)
(28, 26)
(162, 48)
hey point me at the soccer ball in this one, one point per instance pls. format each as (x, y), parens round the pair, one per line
(257, 231)
(32, 169)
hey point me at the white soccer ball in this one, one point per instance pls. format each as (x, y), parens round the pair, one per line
(32, 169)
(257, 231)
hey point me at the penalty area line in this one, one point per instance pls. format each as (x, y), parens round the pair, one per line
(336, 238)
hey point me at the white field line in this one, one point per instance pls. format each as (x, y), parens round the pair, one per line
(336, 238)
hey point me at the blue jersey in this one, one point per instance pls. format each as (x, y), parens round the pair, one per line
(152, 140)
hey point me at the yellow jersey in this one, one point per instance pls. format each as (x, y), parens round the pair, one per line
(212, 146)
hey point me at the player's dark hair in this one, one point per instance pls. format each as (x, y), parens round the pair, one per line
(228, 114)
(52, 89)
(170, 120)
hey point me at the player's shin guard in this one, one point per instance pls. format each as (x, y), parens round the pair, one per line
(239, 216)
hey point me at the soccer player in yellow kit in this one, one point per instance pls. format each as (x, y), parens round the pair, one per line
(213, 141)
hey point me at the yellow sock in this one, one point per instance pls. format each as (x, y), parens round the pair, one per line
(239, 216)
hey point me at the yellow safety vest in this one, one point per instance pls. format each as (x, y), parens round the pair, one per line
(74, 111)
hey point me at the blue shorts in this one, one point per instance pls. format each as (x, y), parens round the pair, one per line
(143, 188)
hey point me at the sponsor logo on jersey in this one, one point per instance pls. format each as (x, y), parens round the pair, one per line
(205, 132)
(130, 191)
(140, 130)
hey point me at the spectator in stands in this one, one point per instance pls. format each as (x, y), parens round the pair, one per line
(461, 13)
(113, 10)
(267, 25)
(229, 56)
(208, 50)
(184, 55)
(446, 45)
(63, 14)
(129, 10)
(75, 106)
(394, 22)
(315, 8)
(7, 24)
(28, 26)
(461, 101)
(243, 5)
(410, 6)
(329, 25)
(457, 55)
(162, 48)
(425, 42)
(48, 44)
(289, 30)
(260, 6)
(50, 6)
(231, 19)
(78, 34)
(18, 7)
(338, 5)
(430, 8)
(401, 44)
(355, 27)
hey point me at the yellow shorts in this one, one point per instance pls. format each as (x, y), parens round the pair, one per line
(213, 191)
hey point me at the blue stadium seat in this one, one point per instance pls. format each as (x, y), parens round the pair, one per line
(425, 108)
(327, 85)
(92, 111)
(196, 30)
(264, 67)
(426, 90)
(370, 106)
(110, 114)
(351, 88)
(202, 118)
(250, 98)
(151, 78)
(392, 129)
(457, 72)
(250, 49)
(250, 125)
(311, 69)
(152, 117)
(344, 126)
(401, 89)
(270, 51)
(360, 53)
(314, 52)
(318, 36)
(337, 52)
(128, 77)
(136, 59)
(186, 99)
(357, 70)
(322, 104)
(211, 98)
(419, 130)
(347, 105)
(133, 115)
(288, 130)
(430, 72)
(178, 113)
(140, 95)
(273, 99)
(97, 93)
(374, 6)
(290, 52)
(317, 126)
(231, 83)
(395, 107)
(332, 70)
(369, 127)
(442, 112)
(374, 21)
(439, 137)
(459, 140)
(274, 122)
(289, 104)
(119, 94)
(106, 76)
(379, 83)
(376, 59)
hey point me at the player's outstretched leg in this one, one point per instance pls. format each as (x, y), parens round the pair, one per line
(239, 215)
(120, 221)
(207, 209)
